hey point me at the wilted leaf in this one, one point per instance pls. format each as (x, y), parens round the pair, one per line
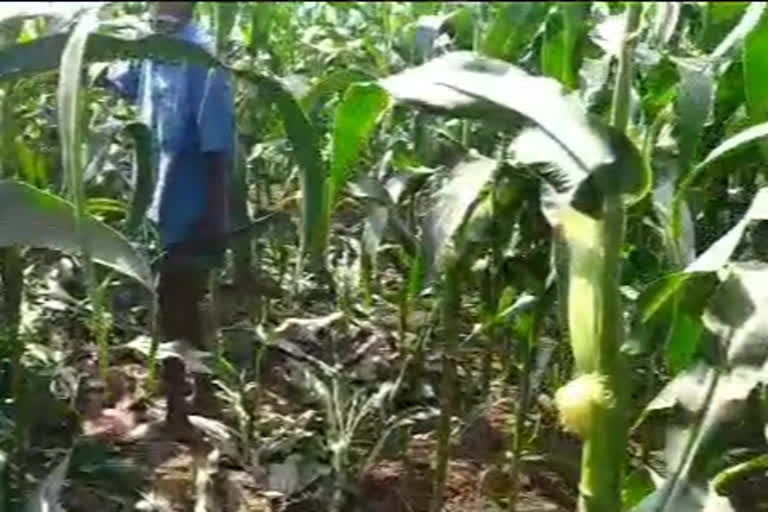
(465, 85)
(738, 315)
(719, 253)
(453, 201)
(34, 218)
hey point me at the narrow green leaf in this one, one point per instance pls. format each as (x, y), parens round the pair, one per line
(337, 80)
(756, 73)
(356, 116)
(665, 18)
(563, 39)
(695, 101)
(720, 16)
(34, 218)
(70, 112)
(306, 152)
(513, 28)
(684, 340)
(226, 14)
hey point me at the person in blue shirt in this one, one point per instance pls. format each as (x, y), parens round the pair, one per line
(190, 110)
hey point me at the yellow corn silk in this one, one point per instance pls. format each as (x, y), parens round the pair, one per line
(577, 399)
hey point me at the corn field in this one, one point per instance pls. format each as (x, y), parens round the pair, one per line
(486, 256)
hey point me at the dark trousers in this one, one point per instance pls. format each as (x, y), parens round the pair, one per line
(181, 287)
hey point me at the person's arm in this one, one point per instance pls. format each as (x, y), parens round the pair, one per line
(215, 116)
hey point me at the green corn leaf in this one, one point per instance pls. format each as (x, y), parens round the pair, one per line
(512, 28)
(563, 39)
(306, 152)
(695, 101)
(226, 14)
(356, 116)
(34, 218)
(335, 81)
(756, 73)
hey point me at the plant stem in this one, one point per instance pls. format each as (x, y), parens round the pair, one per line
(603, 454)
(522, 411)
(450, 302)
(604, 448)
(621, 91)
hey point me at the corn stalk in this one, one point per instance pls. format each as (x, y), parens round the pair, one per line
(594, 404)
(450, 306)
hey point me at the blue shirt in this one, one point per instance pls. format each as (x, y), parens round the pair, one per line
(190, 110)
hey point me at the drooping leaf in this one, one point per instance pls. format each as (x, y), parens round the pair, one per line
(34, 218)
(512, 28)
(750, 135)
(465, 85)
(453, 202)
(44, 54)
(738, 315)
(306, 152)
(70, 111)
(356, 116)
(710, 398)
(719, 253)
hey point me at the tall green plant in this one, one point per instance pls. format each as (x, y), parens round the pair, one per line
(71, 132)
